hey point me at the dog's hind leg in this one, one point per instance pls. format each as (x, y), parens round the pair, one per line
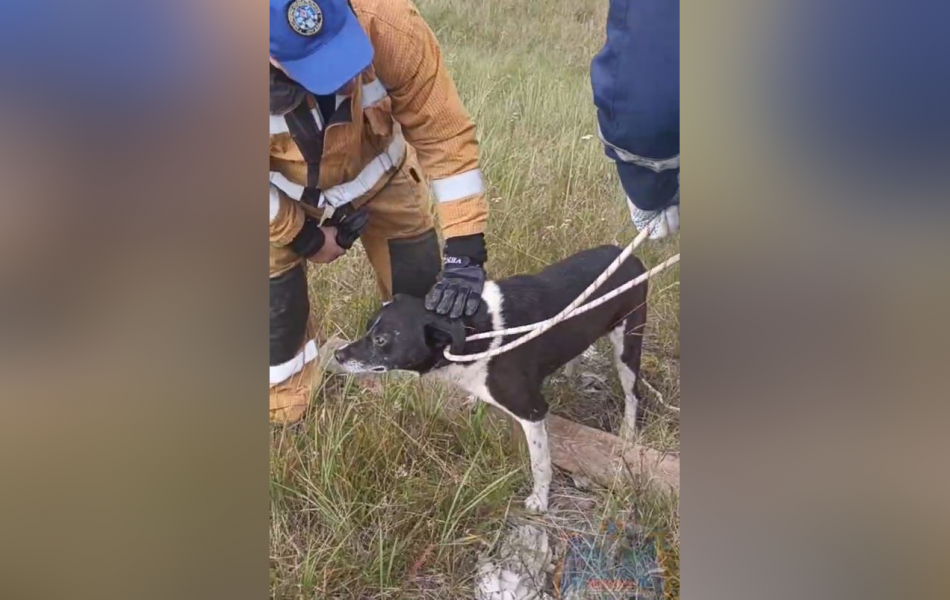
(627, 339)
(536, 434)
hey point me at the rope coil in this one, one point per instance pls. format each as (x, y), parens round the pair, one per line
(574, 309)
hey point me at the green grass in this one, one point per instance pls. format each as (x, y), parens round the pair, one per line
(378, 494)
(362, 488)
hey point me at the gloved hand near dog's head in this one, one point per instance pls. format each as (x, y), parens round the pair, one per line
(458, 291)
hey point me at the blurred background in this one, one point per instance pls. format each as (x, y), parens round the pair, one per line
(133, 435)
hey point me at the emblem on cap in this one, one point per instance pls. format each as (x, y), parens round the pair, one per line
(305, 17)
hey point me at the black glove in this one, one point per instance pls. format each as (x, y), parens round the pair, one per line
(459, 289)
(349, 223)
(309, 240)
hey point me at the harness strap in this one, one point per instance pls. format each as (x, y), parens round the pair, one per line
(308, 135)
(293, 102)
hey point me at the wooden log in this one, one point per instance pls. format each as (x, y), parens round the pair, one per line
(597, 455)
(603, 457)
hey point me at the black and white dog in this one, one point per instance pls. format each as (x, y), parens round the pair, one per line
(404, 336)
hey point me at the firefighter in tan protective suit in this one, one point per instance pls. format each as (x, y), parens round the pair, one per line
(366, 122)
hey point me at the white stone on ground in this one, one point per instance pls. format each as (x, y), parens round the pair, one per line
(520, 569)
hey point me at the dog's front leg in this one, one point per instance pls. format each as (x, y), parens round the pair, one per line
(536, 434)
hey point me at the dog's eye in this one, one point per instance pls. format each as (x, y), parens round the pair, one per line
(380, 340)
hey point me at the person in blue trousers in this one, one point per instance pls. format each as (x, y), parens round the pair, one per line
(635, 80)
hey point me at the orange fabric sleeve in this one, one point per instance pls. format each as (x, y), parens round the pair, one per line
(286, 218)
(425, 102)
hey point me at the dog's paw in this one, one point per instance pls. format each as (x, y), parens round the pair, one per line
(536, 503)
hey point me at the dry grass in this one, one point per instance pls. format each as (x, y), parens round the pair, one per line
(377, 494)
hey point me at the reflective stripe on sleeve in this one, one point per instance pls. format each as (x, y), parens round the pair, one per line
(372, 93)
(458, 186)
(274, 203)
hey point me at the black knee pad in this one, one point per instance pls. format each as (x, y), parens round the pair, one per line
(415, 264)
(289, 310)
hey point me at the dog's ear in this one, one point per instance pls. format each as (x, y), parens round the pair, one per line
(442, 333)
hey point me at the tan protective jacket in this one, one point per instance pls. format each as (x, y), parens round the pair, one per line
(406, 96)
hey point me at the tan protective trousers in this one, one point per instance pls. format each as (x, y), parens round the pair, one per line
(402, 247)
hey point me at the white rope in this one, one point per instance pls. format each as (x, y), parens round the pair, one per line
(589, 306)
(575, 308)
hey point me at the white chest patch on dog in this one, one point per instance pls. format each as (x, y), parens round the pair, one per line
(473, 377)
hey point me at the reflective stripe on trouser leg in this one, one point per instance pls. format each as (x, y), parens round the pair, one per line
(289, 312)
(415, 264)
(290, 398)
(294, 369)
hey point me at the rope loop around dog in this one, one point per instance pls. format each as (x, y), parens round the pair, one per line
(574, 309)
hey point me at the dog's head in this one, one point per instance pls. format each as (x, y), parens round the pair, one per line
(402, 336)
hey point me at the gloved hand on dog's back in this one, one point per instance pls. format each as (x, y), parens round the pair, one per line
(458, 291)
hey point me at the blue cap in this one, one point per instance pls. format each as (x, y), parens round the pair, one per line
(319, 43)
